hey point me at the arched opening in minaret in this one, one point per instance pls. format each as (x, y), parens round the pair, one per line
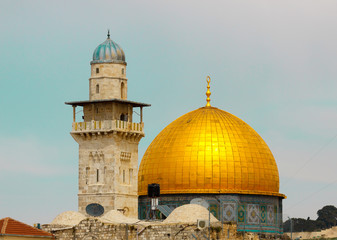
(97, 175)
(105, 180)
(97, 88)
(124, 117)
(122, 90)
(87, 175)
(130, 175)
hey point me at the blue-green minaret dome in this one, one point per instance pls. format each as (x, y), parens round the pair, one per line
(108, 52)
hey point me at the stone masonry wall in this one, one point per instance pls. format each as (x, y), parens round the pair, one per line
(108, 173)
(92, 228)
(111, 80)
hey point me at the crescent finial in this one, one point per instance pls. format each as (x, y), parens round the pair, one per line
(208, 92)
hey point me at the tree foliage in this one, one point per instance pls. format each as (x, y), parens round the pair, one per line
(300, 225)
(327, 218)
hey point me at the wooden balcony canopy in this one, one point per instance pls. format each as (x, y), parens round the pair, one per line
(82, 103)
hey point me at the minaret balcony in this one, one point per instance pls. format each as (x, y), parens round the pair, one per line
(107, 126)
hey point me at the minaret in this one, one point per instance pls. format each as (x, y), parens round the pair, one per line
(108, 137)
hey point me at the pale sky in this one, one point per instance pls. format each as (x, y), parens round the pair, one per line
(272, 63)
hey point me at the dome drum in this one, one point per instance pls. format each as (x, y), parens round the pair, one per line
(255, 213)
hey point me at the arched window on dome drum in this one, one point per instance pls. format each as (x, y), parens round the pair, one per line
(97, 88)
(122, 90)
(123, 71)
(97, 176)
(97, 70)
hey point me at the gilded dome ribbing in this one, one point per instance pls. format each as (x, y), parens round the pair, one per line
(209, 150)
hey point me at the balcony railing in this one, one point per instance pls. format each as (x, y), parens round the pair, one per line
(107, 125)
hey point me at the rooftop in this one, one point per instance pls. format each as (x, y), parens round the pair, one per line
(9, 226)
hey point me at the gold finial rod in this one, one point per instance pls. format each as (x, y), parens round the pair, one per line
(208, 92)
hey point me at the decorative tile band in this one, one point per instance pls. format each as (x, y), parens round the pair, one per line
(251, 213)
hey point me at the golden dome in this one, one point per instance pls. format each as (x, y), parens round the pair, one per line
(209, 150)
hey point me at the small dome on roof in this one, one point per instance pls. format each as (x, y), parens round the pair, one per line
(117, 217)
(70, 218)
(108, 52)
(189, 213)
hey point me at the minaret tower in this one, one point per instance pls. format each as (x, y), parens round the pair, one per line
(108, 137)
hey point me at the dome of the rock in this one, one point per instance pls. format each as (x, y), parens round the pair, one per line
(211, 157)
(207, 151)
